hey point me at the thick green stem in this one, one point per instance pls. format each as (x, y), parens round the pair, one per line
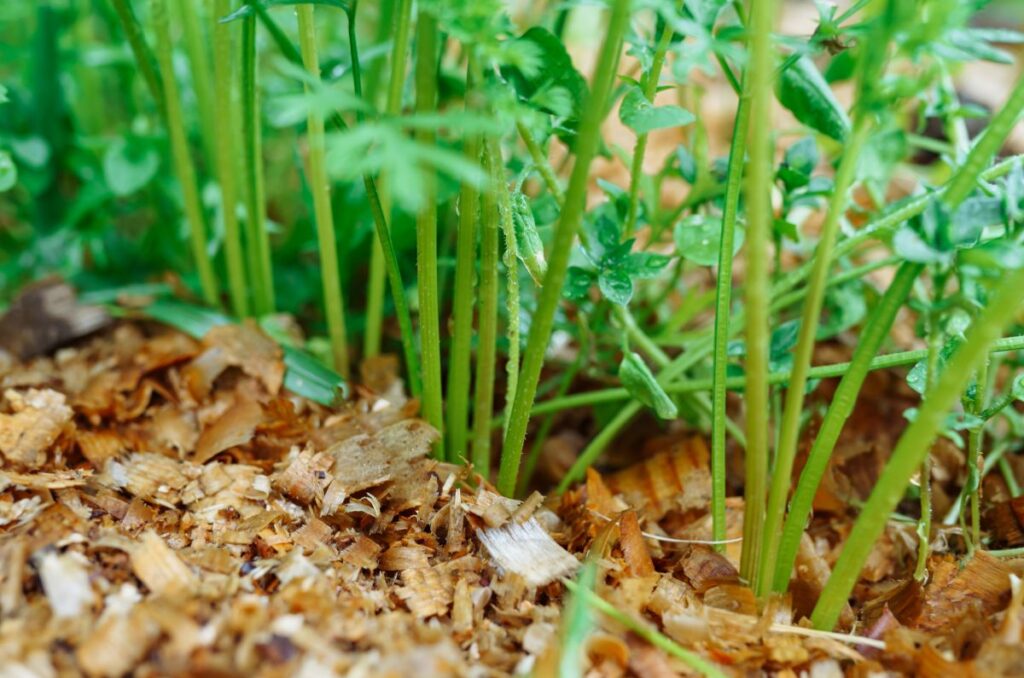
(393, 105)
(757, 280)
(558, 261)
(912, 448)
(426, 230)
(487, 333)
(976, 456)
(258, 240)
(183, 166)
(650, 89)
(463, 300)
(226, 156)
(513, 336)
(327, 242)
(723, 307)
(199, 60)
(144, 59)
(864, 359)
(789, 427)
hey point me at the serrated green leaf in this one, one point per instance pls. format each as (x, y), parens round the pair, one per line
(640, 115)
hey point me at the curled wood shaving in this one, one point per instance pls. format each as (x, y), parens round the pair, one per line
(247, 347)
(235, 427)
(527, 550)
(37, 419)
(160, 568)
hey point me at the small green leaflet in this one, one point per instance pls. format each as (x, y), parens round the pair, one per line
(551, 70)
(128, 165)
(641, 116)
(806, 94)
(528, 243)
(699, 238)
(8, 172)
(638, 379)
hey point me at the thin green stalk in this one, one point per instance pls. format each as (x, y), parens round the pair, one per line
(547, 173)
(789, 426)
(512, 330)
(880, 227)
(1007, 553)
(320, 187)
(258, 240)
(864, 360)
(393, 105)
(757, 281)
(226, 156)
(915, 443)
(558, 261)
(912, 448)
(463, 299)
(426, 230)
(723, 307)
(976, 455)
(1009, 477)
(144, 59)
(199, 60)
(183, 166)
(650, 89)
(645, 631)
(487, 333)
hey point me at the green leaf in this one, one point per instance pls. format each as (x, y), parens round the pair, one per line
(806, 94)
(578, 622)
(699, 239)
(8, 172)
(245, 10)
(640, 115)
(128, 165)
(616, 285)
(577, 283)
(528, 243)
(645, 265)
(553, 68)
(637, 378)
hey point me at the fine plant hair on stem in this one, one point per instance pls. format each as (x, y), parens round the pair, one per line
(723, 306)
(426, 230)
(182, 159)
(257, 240)
(226, 148)
(700, 349)
(916, 441)
(330, 277)
(459, 377)
(756, 281)
(144, 59)
(487, 333)
(392, 106)
(874, 333)
(789, 427)
(558, 262)
(650, 89)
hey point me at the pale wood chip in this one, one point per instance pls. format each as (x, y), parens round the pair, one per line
(526, 549)
(153, 477)
(46, 480)
(38, 418)
(100, 445)
(305, 477)
(362, 553)
(118, 644)
(676, 478)
(399, 557)
(65, 579)
(426, 592)
(247, 347)
(462, 608)
(313, 534)
(367, 460)
(634, 548)
(160, 568)
(235, 427)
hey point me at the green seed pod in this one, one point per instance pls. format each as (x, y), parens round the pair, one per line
(531, 249)
(637, 378)
(803, 91)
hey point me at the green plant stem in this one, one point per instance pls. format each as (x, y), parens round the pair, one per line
(645, 631)
(183, 166)
(226, 156)
(1009, 477)
(789, 426)
(558, 261)
(547, 173)
(258, 240)
(1007, 553)
(392, 106)
(913, 446)
(976, 456)
(199, 60)
(426, 231)
(723, 307)
(487, 333)
(513, 334)
(864, 359)
(915, 443)
(878, 228)
(650, 89)
(144, 59)
(757, 281)
(327, 242)
(457, 404)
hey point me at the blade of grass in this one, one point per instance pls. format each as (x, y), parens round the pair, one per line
(257, 240)
(144, 58)
(577, 623)
(199, 61)
(323, 215)
(183, 166)
(558, 261)
(426, 230)
(756, 282)
(392, 106)
(463, 301)
(864, 358)
(723, 308)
